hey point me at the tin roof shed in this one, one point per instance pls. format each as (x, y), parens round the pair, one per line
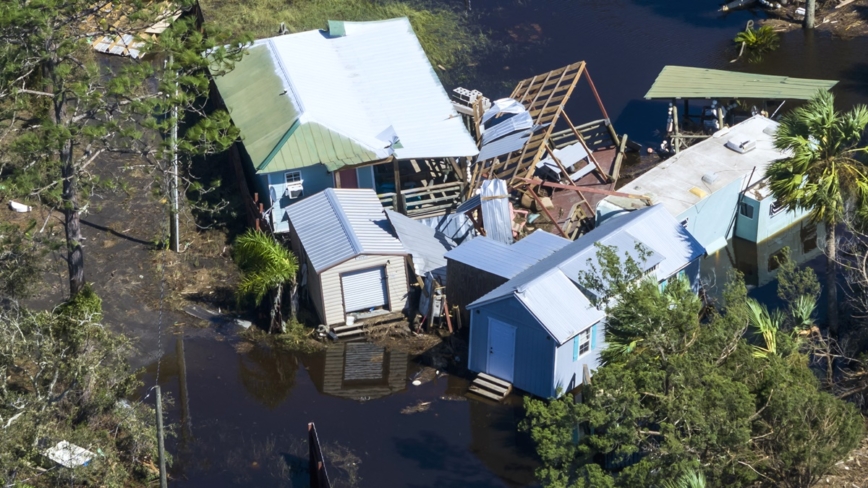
(338, 224)
(359, 92)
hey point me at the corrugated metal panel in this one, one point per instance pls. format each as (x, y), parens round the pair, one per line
(686, 82)
(470, 204)
(558, 305)
(652, 226)
(426, 245)
(337, 224)
(505, 145)
(455, 226)
(519, 122)
(492, 257)
(364, 289)
(540, 243)
(496, 216)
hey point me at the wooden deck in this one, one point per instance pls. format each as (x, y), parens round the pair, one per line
(490, 387)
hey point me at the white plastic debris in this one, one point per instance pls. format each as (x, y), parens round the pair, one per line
(19, 207)
(69, 455)
(416, 382)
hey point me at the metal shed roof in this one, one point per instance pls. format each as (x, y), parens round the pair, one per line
(338, 224)
(686, 82)
(427, 246)
(652, 226)
(362, 94)
(504, 260)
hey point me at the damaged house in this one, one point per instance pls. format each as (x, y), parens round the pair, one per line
(355, 106)
(539, 331)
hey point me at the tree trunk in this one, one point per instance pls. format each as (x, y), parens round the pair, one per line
(276, 316)
(810, 7)
(832, 280)
(293, 301)
(72, 222)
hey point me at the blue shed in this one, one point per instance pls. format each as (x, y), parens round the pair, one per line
(538, 330)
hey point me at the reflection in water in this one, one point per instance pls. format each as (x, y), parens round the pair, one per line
(267, 374)
(759, 262)
(359, 370)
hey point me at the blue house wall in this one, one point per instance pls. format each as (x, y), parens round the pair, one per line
(762, 223)
(534, 348)
(711, 220)
(569, 365)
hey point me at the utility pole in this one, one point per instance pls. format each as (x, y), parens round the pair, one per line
(161, 447)
(810, 7)
(174, 231)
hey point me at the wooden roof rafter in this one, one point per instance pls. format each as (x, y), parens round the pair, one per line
(544, 96)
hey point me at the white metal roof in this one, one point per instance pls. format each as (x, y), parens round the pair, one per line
(496, 215)
(672, 249)
(504, 260)
(371, 84)
(670, 183)
(337, 224)
(427, 246)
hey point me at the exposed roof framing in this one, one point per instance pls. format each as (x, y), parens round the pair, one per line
(544, 96)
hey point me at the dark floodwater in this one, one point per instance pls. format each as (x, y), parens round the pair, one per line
(241, 413)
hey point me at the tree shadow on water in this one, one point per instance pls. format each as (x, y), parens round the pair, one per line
(434, 452)
(855, 78)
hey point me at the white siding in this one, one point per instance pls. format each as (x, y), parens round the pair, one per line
(330, 280)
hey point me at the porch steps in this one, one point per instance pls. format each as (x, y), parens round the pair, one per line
(349, 332)
(490, 387)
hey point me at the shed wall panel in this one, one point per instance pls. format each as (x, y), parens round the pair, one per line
(465, 284)
(396, 277)
(534, 349)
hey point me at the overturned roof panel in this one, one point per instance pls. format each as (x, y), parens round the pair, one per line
(507, 261)
(496, 215)
(685, 82)
(426, 246)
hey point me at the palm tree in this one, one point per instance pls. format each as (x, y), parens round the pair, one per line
(266, 266)
(768, 324)
(822, 173)
(690, 479)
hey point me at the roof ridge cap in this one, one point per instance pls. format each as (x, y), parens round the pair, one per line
(346, 225)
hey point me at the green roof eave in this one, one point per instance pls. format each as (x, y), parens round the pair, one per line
(685, 82)
(310, 143)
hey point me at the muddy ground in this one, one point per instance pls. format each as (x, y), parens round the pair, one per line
(851, 20)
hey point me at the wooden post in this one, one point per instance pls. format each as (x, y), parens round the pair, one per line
(548, 214)
(399, 201)
(337, 178)
(596, 95)
(619, 158)
(676, 139)
(319, 477)
(446, 311)
(161, 447)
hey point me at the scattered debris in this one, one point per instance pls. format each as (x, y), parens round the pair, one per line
(69, 455)
(19, 207)
(420, 406)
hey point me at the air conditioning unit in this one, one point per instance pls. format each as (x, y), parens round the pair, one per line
(294, 190)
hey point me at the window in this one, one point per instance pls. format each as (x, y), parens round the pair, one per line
(294, 185)
(776, 208)
(746, 209)
(775, 260)
(581, 343)
(685, 222)
(293, 177)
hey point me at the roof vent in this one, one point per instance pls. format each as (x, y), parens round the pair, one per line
(709, 178)
(771, 130)
(336, 28)
(741, 146)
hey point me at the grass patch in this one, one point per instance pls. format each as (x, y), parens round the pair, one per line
(446, 34)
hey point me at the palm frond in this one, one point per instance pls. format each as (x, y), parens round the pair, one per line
(265, 265)
(690, 479)
(768, 324)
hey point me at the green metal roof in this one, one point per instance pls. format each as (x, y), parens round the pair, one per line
(685, 82)
(273, 135)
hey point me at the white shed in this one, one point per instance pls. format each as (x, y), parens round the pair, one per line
(354, 261)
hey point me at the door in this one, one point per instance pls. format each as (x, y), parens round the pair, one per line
(501, 350)
(347, 178)
(364, 289)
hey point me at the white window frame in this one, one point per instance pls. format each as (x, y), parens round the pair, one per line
(742, 206)
(584, 341)
(294, 182)
(775, 211)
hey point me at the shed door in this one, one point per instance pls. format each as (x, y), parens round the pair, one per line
(501, 350)
(364, 289)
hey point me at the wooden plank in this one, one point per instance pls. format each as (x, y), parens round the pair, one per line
(581, 139)
(487, 394)
(489, 386)
(492, 379)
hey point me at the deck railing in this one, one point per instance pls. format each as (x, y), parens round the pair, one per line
(424, 201)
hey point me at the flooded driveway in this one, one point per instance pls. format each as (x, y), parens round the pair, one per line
(241, 410)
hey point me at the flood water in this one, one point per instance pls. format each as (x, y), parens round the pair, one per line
(240, 411)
